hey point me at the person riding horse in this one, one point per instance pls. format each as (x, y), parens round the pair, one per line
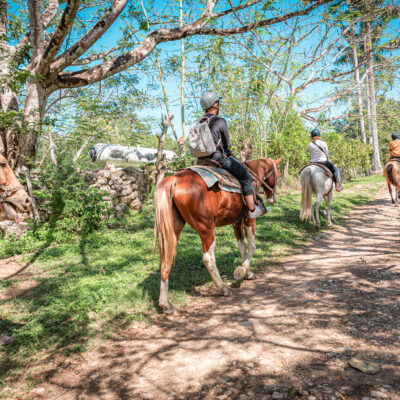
(320, 154)
(210, 103)
(395, 146)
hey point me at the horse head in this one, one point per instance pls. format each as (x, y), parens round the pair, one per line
(13, 198)
(269, 174)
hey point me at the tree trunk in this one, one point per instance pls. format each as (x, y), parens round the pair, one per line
(161, 160)
(376, 161)
(183, 76)
(33, 112)
(359, 95)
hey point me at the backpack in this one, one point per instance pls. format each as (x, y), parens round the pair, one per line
(200, 140)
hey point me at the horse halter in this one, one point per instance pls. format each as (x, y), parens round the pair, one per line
(8, 191)
(265, 178)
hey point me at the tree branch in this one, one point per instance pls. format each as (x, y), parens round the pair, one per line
(60, 32)
(86, 41)
(118, 64)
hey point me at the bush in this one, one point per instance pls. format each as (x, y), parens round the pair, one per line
(70, 208)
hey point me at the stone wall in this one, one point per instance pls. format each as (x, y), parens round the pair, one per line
(127, 188)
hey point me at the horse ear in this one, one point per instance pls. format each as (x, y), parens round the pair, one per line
(278, 160)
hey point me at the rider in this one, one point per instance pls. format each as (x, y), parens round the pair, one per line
(210, 103)
(320, 154)
(395, 146)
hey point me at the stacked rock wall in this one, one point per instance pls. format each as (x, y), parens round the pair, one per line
(127, 188)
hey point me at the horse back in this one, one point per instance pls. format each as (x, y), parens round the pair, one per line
(198, 204)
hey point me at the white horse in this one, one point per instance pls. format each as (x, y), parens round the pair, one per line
(314, 180)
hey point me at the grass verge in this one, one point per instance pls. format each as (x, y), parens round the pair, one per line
(70, 294)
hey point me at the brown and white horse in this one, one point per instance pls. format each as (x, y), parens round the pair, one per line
(184, 197)
(392, 175)
(13, 198)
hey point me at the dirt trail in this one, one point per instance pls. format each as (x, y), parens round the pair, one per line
(289, 334)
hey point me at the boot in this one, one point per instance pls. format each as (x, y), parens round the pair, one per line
(338, 187)
(259, 209)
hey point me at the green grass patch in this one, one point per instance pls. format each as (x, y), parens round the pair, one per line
(96, 286)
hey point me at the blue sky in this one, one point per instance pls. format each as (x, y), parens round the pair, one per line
(173, 85)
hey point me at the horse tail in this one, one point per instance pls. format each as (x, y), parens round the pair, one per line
(389, 170)
(306, 195)
(164, 232)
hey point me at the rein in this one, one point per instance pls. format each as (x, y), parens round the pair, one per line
(262, 180)
(7, 191)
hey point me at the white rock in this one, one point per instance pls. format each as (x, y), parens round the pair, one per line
(378, 394)
(277, 396)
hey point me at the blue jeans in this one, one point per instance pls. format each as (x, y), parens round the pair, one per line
(238, 171)
(335, 172)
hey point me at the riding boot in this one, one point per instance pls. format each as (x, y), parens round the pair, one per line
(259, 209)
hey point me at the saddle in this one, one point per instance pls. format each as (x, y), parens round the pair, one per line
(326, 170)
(394, 158)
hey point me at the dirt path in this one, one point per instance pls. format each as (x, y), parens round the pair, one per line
(289, 334)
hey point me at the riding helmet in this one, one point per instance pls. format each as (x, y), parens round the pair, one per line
(208, 99)
(315, 132)
(395, 135)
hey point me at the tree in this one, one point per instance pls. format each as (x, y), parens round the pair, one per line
(47, 52)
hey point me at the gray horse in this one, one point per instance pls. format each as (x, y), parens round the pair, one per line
(314, 180)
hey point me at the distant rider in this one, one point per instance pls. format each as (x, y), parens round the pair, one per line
(210, 103)
(320, 154)
(395, 146)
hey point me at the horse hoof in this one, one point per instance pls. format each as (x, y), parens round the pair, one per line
(316, 227)
(226, 292)
(168, 309)
(250, 276)
(239, 273)
(330, 224)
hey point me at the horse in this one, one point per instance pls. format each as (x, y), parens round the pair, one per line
(314, 180)
(184, 197)
(13, 198)
(392, 175)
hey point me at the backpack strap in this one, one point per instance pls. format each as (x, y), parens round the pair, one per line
(323, 150)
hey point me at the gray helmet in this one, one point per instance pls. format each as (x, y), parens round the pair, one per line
(395, 135)
(315, 132)
(208, 99)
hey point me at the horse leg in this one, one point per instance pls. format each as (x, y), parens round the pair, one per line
(318, 199)
(328, 201)
(163, 301)
(390, 191)
(243, 272)
(208, 239)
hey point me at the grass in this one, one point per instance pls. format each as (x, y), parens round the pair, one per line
(86, 291)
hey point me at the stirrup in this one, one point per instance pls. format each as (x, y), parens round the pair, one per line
(259, 211)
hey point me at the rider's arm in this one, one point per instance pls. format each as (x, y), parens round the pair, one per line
(223, 129)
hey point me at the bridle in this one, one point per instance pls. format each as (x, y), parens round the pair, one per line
(8, 191)
(265, 178)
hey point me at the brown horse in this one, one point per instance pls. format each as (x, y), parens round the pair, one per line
(392, 175)
(13, 198)
(184, 197)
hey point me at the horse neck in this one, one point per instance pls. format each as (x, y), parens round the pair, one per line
(260, 166)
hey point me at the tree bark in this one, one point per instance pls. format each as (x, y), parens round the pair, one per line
(376, 160)
(161, 159)
(359, 94)
(183, 75)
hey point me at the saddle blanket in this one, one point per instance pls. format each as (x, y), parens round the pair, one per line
(213, 175)
(395, 158)
(327, 171)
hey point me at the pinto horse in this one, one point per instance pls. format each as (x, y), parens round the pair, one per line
(392, 175)
(184, 197)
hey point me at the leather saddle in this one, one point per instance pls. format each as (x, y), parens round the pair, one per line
(326, 170)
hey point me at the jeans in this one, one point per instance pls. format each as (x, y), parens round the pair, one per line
(335, 172)
(238, 171)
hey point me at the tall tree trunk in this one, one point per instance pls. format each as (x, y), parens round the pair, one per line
(359, 95)
(33, 112)
(8, 99)
(183, 75)
(376, 161)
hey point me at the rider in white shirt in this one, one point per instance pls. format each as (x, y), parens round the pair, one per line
(320, 154)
